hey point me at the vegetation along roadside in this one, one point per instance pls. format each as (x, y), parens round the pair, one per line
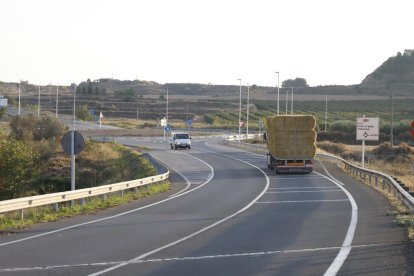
(32, 162)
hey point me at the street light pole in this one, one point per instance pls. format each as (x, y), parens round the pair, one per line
(392, 121)
(291, 104)
(38, 104)
(19, 97)
(239, 111)
(326, 111)
(248, 102)
(277, 92)
(167, 107)
(57, 99)
(287, 100)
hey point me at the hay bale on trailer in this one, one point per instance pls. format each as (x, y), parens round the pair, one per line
(291, 136)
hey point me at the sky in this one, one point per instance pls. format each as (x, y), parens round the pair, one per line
(327, 42)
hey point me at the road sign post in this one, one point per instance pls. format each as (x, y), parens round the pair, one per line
(189, 124)
(367, 129)
(163, 124)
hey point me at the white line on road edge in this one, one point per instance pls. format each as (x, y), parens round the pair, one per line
(114, 216)
(186, 179)
(347, 243)
(298, 188)
(139, 258)
(301, 201)
(292, 192)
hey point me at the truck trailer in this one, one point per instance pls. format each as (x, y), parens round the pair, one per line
(291, 143)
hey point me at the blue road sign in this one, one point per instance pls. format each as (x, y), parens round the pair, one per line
(167, 128)
(189, 122)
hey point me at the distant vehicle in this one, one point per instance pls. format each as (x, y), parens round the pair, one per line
(291, 143)
(180, 140)
(3, 101)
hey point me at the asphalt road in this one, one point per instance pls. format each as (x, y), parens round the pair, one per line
(227, 214)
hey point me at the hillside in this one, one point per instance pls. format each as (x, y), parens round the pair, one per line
(394, 76)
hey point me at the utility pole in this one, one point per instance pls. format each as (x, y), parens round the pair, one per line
(19, 96)
(38, 104)
(291, 103)
(277, 92)
(392, 121)
(57, 99)
(326, 111)
(239, 111)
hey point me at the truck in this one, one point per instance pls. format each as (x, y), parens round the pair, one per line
(291, 143)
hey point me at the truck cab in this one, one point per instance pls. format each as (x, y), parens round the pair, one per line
(180, 140)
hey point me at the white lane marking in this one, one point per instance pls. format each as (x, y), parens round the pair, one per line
(139, 258)
(301, 201)
(298, 188)
(345, 249)
(292, 192)
(330, 175)
(117, 215)
(296, 178)
(186, 181)
(235, 255)
(346, 245)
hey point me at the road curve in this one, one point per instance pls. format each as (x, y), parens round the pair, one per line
(229, 217)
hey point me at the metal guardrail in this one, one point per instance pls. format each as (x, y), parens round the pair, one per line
(375, 179)
(55, 198)
(378, 180)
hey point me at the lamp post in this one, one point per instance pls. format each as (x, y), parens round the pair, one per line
(277, 92)
(239, 111)
(326, 111)
(167, 107)
(392, 121)
(38, 104)
(287, 100)
(291, 104)
(19, 97)
(57, 99)
(248, 102)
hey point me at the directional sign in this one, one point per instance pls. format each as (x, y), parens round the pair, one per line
(189, 122)
(167, 128)
(367, 129)
(163, 122)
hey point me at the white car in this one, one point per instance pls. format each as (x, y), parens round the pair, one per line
(180, 140)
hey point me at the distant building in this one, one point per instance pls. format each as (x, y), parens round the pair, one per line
(3, 101)
(408, 52)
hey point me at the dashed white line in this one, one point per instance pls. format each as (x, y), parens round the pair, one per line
(139, 258)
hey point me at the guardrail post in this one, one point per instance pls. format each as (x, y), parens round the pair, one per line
(369, 180)
(135, 189)
(55, 207)
(383, 183)
(82, 202)
(376, 182)
(22, 214)
(104, 197)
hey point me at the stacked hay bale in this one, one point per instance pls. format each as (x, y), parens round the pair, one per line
(291, 136)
